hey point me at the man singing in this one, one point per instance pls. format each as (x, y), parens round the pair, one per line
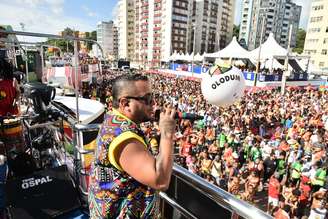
(125, 175)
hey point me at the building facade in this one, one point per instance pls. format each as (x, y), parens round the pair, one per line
(211, 25)
(316, 42)
(160, 28)
(163, 27)
(107, 37)
(125, 27)
(276, 16)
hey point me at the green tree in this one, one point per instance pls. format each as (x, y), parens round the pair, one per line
(91, 35)
(300, 39)
(68, 32)
(235, 31)
(64, 45)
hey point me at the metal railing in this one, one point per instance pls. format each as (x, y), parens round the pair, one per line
(189, 195)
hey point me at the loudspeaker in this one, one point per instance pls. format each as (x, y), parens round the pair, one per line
(41, 195)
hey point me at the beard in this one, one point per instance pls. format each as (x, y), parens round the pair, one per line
(143, 116)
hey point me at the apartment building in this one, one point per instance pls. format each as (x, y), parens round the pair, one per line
(211, 25)
(107, 37)
(125, 29)
(316, 42)
(162, 27)
(276, 16)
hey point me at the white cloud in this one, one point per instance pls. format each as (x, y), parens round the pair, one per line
(88, 11)
(40, 21)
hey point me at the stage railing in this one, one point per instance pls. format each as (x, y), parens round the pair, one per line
(188, 196)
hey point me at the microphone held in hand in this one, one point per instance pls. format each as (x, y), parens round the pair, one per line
(180, 115)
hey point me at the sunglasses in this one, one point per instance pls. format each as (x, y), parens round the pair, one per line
(147, 99)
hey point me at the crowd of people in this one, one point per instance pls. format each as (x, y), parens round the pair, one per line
(267, 145)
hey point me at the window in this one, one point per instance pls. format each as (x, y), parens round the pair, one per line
(324, 52)
(316, 19)
(321, 64)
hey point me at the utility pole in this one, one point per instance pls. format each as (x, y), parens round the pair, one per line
(26, 55)
(286, 72)
(259, 54)
(193, 50)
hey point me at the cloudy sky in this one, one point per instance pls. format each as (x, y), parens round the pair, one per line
(52, 16)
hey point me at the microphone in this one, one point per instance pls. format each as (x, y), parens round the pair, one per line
(180, 115)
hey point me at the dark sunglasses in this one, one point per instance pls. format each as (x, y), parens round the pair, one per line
(147, 99)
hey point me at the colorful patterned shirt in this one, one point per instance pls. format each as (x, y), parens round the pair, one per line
(112, 192)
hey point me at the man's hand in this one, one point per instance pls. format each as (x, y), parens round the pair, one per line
(167, 123)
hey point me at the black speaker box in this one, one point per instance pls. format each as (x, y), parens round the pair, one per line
(41, 195)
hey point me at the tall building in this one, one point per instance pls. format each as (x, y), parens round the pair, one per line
(166, 26)
(107, 38)
(125, 27)
(161, 27)
(211, 25)
(316, 42)
(276, 16)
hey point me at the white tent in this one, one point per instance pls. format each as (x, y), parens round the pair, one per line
(179, 56)
(174, 56)
(269, 49)
(233, 50)
(198, 57)
(188, 57)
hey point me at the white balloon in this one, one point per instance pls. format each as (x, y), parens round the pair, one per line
(223, 89)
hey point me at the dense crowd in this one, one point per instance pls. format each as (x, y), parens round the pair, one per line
(266, 145)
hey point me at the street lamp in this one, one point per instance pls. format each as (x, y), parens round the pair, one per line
(193, 49)
(26, 55)
(259, 55)
(286, 72)
(260, 47)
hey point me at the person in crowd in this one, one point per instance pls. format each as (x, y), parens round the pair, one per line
(273, 192)
(9, 90)
(319, 204)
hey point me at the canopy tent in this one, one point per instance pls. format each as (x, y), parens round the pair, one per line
(198, 57)
(269, 49)
(186, 57)
(233, 50)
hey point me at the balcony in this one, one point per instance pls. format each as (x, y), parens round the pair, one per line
(145, 4)
(188, 196)
(157, 35)
(158, 15)
(157, 21)
(157, 28)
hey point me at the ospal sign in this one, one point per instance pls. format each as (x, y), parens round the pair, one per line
(31, 182)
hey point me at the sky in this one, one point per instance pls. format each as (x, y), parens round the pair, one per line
(52, 16)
